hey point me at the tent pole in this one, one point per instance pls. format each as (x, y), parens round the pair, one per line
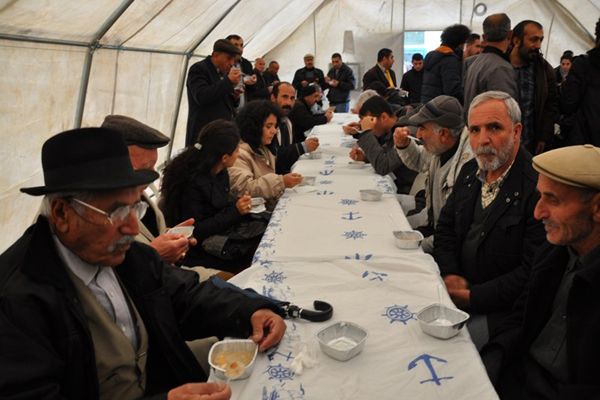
(180, 87)
(33, 39)
(87, 65)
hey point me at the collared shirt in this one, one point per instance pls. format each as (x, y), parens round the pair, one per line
(103, 283)
(489, 191)
(526, 100)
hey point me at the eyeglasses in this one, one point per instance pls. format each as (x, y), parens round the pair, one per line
(119, 215)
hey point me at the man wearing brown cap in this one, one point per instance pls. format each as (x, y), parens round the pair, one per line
(549, 347)
(85, 311)
(445, 150)
(486, 236)
(211, 88)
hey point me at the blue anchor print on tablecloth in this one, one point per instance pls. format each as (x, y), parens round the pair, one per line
(271, 355)
(398, 313)
(351, 216)
(329, 162)
(275, 393)
(357, 256)
(267, 292)
(348, 202)
(274, 277)
(324, 193)
(426, 358)
(354, 234)
(375, 275)
(280, 373)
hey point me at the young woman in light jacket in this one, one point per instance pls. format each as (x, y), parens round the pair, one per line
(254, 170)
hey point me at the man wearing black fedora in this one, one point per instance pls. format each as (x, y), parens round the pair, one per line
(85, 311)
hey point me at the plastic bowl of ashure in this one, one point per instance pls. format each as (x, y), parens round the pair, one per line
(233, 359)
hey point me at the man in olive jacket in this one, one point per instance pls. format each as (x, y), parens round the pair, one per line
(486, 236)
(85, 311)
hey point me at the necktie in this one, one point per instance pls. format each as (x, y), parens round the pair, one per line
(388, 76)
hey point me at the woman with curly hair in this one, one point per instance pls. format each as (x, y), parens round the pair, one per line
(254, 170)
(196, 185)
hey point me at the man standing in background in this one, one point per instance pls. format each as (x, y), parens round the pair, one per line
(341, 81)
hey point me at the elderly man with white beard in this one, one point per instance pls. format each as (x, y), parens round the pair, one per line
(486, 235)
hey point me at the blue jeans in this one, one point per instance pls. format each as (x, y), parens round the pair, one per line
(342, 107)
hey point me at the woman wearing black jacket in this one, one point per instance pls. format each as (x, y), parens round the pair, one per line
(196, 185)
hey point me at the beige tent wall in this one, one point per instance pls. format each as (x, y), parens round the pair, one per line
(137, 54)
(39, 85)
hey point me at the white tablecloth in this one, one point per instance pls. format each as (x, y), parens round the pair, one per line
(323, 243)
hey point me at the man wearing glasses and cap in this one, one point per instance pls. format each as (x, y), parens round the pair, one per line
(549, 347)
(445, 150)
(85, 311)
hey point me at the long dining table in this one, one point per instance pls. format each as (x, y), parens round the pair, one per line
(324, 243)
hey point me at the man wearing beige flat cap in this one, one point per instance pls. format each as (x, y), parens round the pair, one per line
(549, 348)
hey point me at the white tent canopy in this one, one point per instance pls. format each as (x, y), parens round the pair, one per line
(69, 63)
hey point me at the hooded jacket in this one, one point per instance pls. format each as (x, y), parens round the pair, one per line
(443, 75)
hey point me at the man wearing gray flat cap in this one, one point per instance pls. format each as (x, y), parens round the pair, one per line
(445, 150)
(549, 346)
(143, 143)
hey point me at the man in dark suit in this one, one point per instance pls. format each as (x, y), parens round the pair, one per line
(549, 348)
(283, 146)
(271, 74)
(260, 90)
(382, 71)
(211, 89)
(98, 314)
(486, 235)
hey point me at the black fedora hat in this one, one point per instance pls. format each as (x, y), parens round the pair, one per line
(88, 159)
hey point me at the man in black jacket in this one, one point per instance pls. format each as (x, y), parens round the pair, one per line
(271, 74)
(382, 71)
(538, 94)
(286, 151)
(94, 312)
(580, 97)
(301, 115)
(548, 348)
(261, 90)
(340, 80)
(443, 66)
(309, 74)
(486, 235)
(211, 89)
(413, 80)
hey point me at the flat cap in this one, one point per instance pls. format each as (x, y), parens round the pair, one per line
(224, 46)
(134, 132)
(308, 56)
(577, 166)
(445, 111)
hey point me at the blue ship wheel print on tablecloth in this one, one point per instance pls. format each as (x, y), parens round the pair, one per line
(354, 235)
(348, 202)
(274, 277)
(325, 182)
(398, 313)
(426, 359)
(280, 373)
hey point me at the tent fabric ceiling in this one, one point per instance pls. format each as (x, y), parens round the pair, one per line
(69, 63)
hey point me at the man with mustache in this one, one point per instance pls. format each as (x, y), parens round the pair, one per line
(538, 95)
(95, 314)
(548, 348)
(286, 151)
(486, 236)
